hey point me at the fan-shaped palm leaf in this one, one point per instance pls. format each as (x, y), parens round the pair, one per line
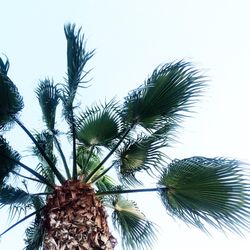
(6, 164)
(99, 125)
(18, 200)
(169, 92)
(136, 231)
(207, 190)
(48, 96)
(11, 103)
(137, 155)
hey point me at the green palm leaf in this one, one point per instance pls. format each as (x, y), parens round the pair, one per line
(207, 190)
(86, 160)
(6, 164)
(48, 96)
(136, 230)
(45, 140)
(106, 183)
(17, 199)
(137, 155)
(44, 170)
(11, 103)
(35, 232)
(99, 125)
(77, 57)
(166, 95)
(34, 235)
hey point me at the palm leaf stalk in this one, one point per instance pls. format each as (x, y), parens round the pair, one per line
(10, 159)
(53, 168)
(62, 157)
(28, 178)
(69, 210)
(109, 154)
(129, 191)
(89, 155)
(40, 177)
(22, 220)
(77, 57)
(73, 130)
(98, 177)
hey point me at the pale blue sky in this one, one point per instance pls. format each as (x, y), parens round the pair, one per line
(131, 38)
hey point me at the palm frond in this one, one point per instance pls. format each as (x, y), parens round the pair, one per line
(34, 235)
(17, 199)
(35, 232)
(99, 125)
(167, 94)
(48, 96)
(142, 154)
(44, 170)
(7, 165)
(203, 190)
(11, 102)
(4, 66)
(45, 140)
(77, 57)
(136, 230)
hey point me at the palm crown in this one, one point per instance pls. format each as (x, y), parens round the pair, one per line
(133, 134)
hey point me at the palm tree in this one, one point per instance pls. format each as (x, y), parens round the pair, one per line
(111, 143)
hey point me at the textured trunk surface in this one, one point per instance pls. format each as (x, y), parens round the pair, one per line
(75, 219)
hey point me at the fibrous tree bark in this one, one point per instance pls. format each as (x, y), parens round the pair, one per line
(75, 219)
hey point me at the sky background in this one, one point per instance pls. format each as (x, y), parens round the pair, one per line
(131, 39)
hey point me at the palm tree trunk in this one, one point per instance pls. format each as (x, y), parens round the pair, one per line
(75, 219)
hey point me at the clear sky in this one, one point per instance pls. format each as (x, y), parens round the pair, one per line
(131, 38)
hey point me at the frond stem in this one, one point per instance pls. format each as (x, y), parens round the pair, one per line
(44, 193)
(89, 156)
(26, 177)
(74, 149)
(58, 146)
(50, 163)
(109, 154)
(40, 177)
(126, 191)
(102, 174)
